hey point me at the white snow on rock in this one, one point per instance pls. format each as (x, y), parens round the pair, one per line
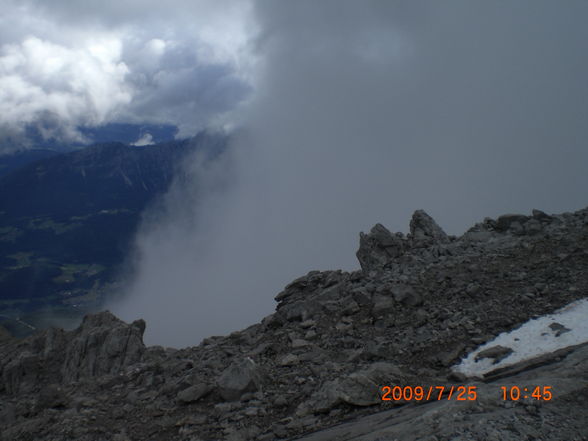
(566, 327)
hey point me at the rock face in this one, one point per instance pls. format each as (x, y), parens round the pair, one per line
(101, 345)
(379, 247)
(420, 302)
(425, 231)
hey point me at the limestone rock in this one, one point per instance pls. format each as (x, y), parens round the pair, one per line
(103, 344)
(380, 247)
(194, 393)
(240, 377)
(425, 231)
(289, 360)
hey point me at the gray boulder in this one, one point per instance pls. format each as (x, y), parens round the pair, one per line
(240, 377)
(194, 393)
(361, 388)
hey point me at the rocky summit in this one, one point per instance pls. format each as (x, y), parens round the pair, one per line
(317, 368)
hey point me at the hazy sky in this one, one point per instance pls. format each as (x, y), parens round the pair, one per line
(349, 113)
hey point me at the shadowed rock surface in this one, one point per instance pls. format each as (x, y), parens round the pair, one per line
(314, 369)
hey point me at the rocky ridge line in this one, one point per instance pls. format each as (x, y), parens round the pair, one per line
(420, 302)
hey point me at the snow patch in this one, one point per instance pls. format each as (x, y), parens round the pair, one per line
(566, 327)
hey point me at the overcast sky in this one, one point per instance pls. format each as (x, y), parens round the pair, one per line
(349, 113)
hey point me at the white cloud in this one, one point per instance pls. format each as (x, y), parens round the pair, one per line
(146, 139)
(82, 64)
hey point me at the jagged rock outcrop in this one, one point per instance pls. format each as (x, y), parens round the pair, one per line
(420, 302)
(424, 231)
(101, 345)
(379, 247)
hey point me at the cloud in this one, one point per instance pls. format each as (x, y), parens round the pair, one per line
(87, 65)
(80, 86)
(363, 112)
(144, 140)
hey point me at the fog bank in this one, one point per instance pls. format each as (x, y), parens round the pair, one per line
(363, 112)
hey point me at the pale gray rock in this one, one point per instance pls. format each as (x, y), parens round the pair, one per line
(240, 377)
(289, 360)
(299, 343)
(194, 393)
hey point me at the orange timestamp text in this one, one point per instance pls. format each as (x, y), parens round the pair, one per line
(462, 393)
(516, 393)
(427, 393)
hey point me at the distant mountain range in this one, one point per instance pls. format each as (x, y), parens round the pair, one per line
(67, 221)
(19, 159)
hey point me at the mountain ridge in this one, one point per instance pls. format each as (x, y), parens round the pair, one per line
(420, 303)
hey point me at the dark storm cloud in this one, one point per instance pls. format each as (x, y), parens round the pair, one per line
(458, 103)
(87, 64)
(362, 113)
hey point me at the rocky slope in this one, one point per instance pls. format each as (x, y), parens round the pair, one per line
(314, 370)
